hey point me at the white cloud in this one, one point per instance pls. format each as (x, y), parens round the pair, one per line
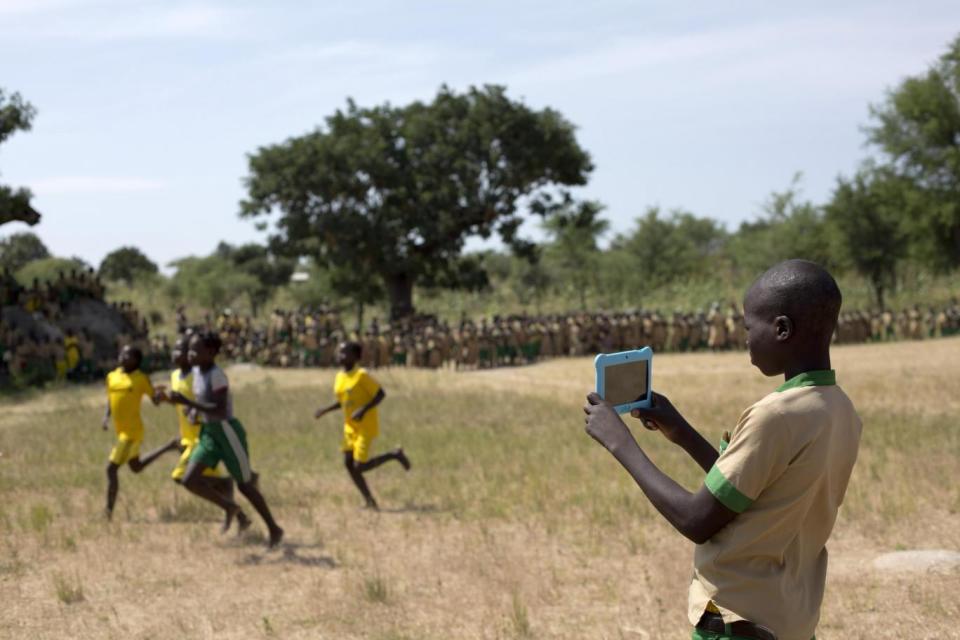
(767, 50)
(11, 7)
(109, 22)
(93, 184)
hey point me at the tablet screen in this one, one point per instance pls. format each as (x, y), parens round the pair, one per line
(625, 383)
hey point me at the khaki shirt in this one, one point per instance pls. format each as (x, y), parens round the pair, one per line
(784, 472)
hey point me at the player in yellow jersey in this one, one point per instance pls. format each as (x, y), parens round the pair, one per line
(358, 394)
(181, 381)
(126, 387)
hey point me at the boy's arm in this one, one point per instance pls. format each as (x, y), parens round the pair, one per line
(322, 411)
(377, 399)
(219, 401)
(662, 416)
(698, 516)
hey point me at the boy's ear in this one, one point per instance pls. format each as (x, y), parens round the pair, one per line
(783, 328)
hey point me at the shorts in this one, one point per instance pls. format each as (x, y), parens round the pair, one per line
(126, 449)
(224, 441)
(358, 442)
(181, 468)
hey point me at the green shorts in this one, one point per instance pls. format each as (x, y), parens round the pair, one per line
(224, 441)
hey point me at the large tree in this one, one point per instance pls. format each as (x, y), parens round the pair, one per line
(393, 193)
(918, 126)
(16, 114)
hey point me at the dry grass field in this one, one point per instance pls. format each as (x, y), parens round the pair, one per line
(512, 523)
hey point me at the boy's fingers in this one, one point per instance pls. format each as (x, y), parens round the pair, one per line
(594, 398)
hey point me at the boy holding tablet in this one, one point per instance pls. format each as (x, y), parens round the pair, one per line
(762, 518)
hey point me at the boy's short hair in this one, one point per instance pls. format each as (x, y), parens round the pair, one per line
(136, 352)
(803, 291)
(211, 340)
(353, 347)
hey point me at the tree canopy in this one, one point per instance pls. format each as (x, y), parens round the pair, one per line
(16, 114)
(267, 270)
(391, 194)
(126, 264)
(918, 128)
(867, 214)
(19, 249)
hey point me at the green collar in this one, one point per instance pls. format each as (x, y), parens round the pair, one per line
(821, 378)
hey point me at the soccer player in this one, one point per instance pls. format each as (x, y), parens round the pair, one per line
(222, 436)
(181, 381)
(358, 394)
(770, 497)
(126, 387)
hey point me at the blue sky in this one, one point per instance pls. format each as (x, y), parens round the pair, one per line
(148, 109)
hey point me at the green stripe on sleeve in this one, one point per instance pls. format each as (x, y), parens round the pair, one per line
(728, 495)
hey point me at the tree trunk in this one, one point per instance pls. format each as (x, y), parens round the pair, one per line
(400, 290)
(360, 318)
(878, 290)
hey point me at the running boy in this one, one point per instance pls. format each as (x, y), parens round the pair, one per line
(769, 501)
(222, 437)
(181, 381)
(126, 387)
(358, 394)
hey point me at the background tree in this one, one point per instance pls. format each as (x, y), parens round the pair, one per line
(788, 228)
(269, 271)
(15, 115)
(19, 249)
(871, 228)
(126, 264)
(213, 281)
(664, 249)
(47, 269)
(394, 192)
(574, 229)
(918, 127)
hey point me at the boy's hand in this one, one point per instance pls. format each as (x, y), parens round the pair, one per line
(358, 414)
(319, 413)
(603, 423)
(105, 423)
(662, 416)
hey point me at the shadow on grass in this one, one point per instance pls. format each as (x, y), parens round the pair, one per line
(289, 554)
(411, 507)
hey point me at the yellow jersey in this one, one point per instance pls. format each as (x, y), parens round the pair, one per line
(189, 431)
(125, 392)
(354, 389)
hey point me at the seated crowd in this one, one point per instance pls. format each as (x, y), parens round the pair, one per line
(34, 356)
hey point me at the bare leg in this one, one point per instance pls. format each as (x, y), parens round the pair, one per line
(373, 463)
(139, 463)
(113, 485)
(252, 493)
(194, 481)
(357, 476)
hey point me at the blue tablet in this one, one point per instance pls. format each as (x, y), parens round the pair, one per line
(624, 379)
